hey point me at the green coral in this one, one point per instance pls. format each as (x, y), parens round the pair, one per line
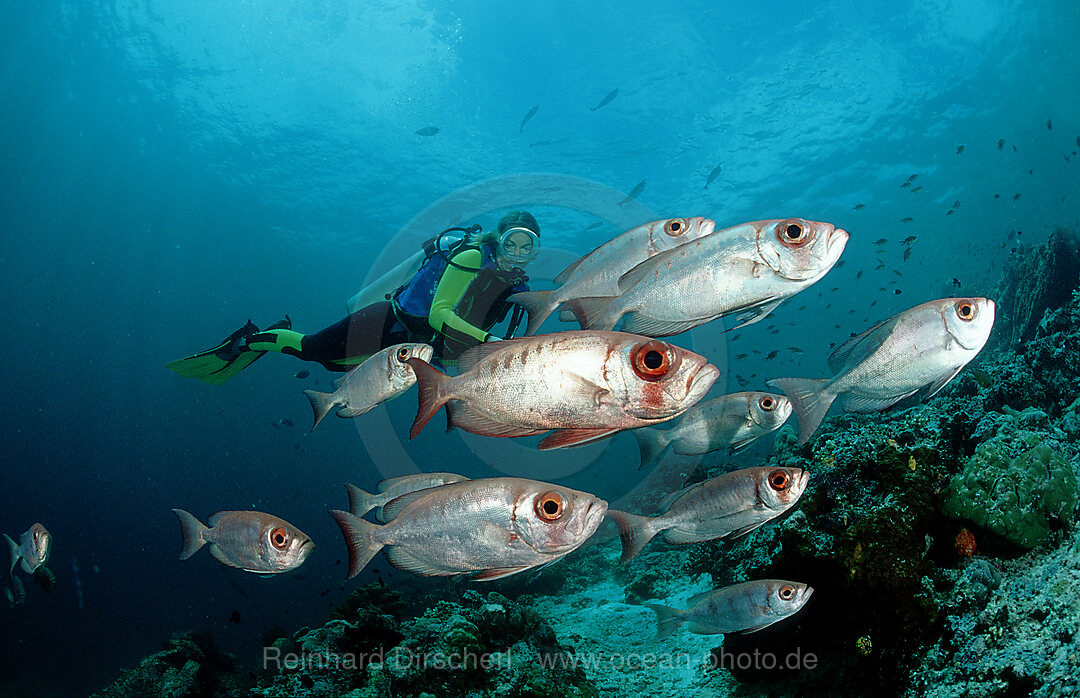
(1015, 496)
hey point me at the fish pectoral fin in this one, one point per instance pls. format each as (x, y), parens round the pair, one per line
(577, 384)
(409, 562)
(750, 314)
(740, 532)
(756, 628)
(221, 557)
(935, 387)
(699, 628)
(742, 444)
(867, 403)
(497, 573)
(260, 573)
(677, 537)
(562, 438)
(639, 323)
(349, 412)
(391, 509)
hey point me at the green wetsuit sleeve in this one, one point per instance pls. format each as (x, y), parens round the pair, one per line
(452, 286)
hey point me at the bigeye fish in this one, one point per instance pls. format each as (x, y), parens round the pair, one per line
(381, 377)
(361, 502)
(731, 504)
(905, 359)
(248, 540)
(32, 550)
(586, 385)
(493, 527)
(731, 421)
(740, 608)
(598, 272)
(747, 271)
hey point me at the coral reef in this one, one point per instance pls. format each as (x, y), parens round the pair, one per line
(188, 666)
(1040, 279)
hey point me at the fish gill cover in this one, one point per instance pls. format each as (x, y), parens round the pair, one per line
(172, 169)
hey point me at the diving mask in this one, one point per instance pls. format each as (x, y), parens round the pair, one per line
(519, 245)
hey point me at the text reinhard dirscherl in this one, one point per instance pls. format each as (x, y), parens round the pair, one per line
(401, 658)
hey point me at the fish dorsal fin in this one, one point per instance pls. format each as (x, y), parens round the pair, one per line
(337, 382)
(753, 313)
(670, 499)
(644, 269)
(476, 354)
(404, 560)
(698, 598)
(391, 509)
(214, 518)
(565, 273)
(856, 349)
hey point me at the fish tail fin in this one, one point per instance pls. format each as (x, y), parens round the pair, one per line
(808, 399)
(429, 382)
(592, 313)
(537, 304)
(359, 537)
(192, 531)
(635, 531)
(13, 550)
(321, 404)
(652, 443)
(360, 502)
(667, 619)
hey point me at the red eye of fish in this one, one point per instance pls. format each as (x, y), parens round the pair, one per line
(279, 538)
(675, 227)
(549, 506)
(652, 360)
(787, 592)
(793, 232)
(767, 403)
(966, 310)
(402, 354)
(779, 480)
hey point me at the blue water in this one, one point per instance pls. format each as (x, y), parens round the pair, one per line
(170, 169)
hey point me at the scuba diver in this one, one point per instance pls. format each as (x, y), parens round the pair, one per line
(452, 302)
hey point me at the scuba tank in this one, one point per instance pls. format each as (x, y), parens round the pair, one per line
(384, 287)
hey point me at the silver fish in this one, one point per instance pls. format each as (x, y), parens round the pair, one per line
(634, 193)
(731, 504)
(428, 131)
(749, 270)
(907, 358)
(531, 114)
(586, 385)
(494, 527)
(740, 608)
(32, 550)
(734, 421)
(597, 273)
(713, 175)
(383, 376)
(607, 99)
(248, 540)
(361, 502)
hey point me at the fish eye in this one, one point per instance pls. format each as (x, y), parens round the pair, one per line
(779, 480)
(787, 592)
(966, 310)
(402, 354)
(767, 403)
(549, 506)
(675, 227)
(793, 232)
(652, 360)
(279, 538)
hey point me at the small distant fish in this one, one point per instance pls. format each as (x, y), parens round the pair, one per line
(897, 291)
(531, 114)
(997, 196)
(1049, 125)
(383, 376)
(1017, 197)
(950, 212)
(731, 504)
(912, 355)
(1001, 144)
(796, 350)
(740, 608)
(740, 357)
(909, 239)
(713, 175)
(634, 193)
(741, 381)
(912, 178)
(956, 282)
(361, 502)
(1014, 148)
(908, 219)
(607, 99)
(428, 131)
(881, 265)
(858, 207)
(960, 149)
(907, 254)
(881, 242)
(303, 374)
(839, 264)
(905, 185)
(858, 275)
(915, 189)
(1078, 140)
(956, 204)
(234, 617)
(248, 540)
(283, 423)
(32, 550)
